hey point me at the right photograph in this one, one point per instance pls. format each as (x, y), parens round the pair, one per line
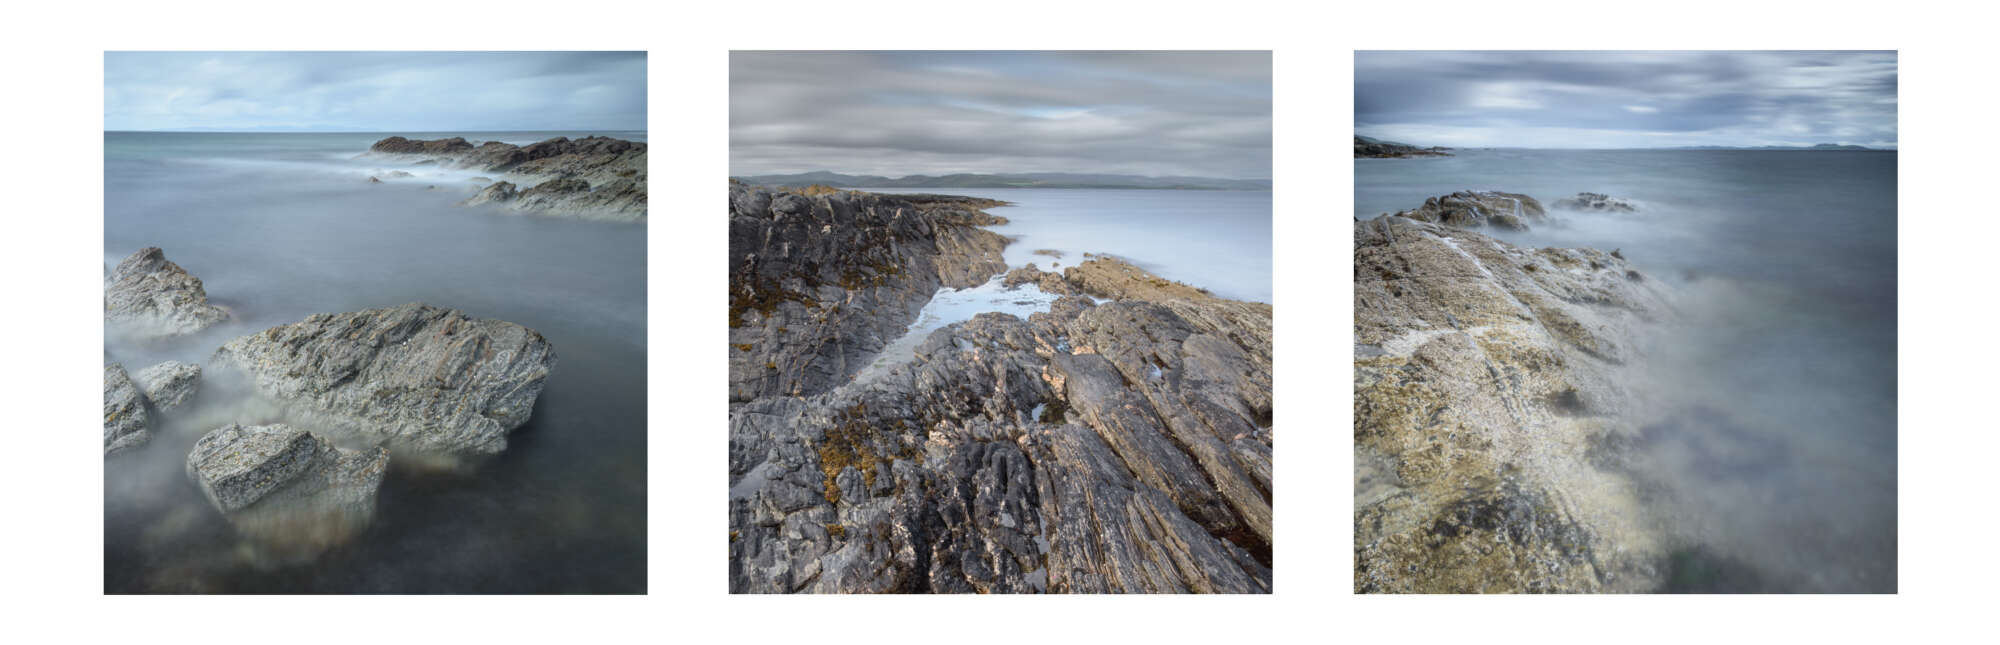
(1625, 322)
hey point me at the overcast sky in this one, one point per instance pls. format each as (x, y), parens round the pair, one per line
(374, 91)
(1626, 99)
(902, 113)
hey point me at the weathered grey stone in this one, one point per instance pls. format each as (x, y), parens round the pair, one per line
(146, 295)
(170, 384)
(124, 412)
(1597, 202)
(1476, 208)
(590, 178)
(286, 488)
(419, 378)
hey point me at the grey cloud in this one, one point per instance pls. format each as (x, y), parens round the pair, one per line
(900, 113)
(1626, 99)
(374, 91)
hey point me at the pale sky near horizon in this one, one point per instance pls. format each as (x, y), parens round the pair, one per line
(1583, 99)
(374, 91)
(1202, 114)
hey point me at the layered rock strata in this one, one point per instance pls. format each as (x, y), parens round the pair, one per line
(591, 177)
(1479, 208)
(285, 488)
(148, 296)
(124, 412)
(170, 384)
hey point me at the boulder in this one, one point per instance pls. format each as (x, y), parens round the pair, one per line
(285, 488)
(1470, 209)
(170, 384)
(1596, 202)
(124, 412)
(418, 378)
(146, 295)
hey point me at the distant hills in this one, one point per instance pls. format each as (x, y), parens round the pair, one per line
(1022, 180)
(1823, 146)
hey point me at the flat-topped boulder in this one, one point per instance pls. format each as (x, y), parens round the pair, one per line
(418, 378)
(170, 384)
(590, 178)
(1470, 209)
(286, 488)
(147, 295)
(124, 412)
(1597, 202)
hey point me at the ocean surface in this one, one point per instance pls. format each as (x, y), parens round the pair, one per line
(1218, 240)
(1770, 450)
(282, 226)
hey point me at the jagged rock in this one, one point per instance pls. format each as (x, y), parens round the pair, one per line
(1365, 148)
(124, 412)
(1046, 281)
(146, 295)
(1472, 209)
(421, 379)
(1485, 375)
(170, 384)
(498, 192)
(1596, 202)
(592, 177)
(820, 284)
(286, 488)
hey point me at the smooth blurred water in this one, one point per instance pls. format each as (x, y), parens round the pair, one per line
(281, 226)
(1772, 430)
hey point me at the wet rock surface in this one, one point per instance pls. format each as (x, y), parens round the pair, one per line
(124, 412)
(1487, 387)
(1115, 447)
(148, 296)
(287, 489)
(1471, 209)
(591, 177)
(1597, 202)
(170, 384)
(418, 378)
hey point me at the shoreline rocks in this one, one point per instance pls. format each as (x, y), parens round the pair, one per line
(170, 384)
(146, 295)
(124, 412)
(589, 178)
(1597, 202)
(1470, 209)
(1365, 148)
(287, 489)
(418, 378)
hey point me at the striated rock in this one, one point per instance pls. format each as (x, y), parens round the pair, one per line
(820, 284)
(1366, 148)
(1597, 202)
(592, 177)
(1473, 209)
(124, 412)
(1046, 281)
(421, 379)
(1485, 377)
(170, 384)
(285, 488)
(146, 295)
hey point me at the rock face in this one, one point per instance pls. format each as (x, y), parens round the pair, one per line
(592, 177)
(1486, 382)
(1596, 202)
(170, 384)
(819, 284)
(422, 379)
(1365, 148)
(1116, 447)
(1474, 209)
(286, 488)
(124, 412)
(146, 295)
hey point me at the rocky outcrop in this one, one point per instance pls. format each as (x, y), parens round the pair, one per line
(1114, 447)
(820, 284)
(1366, 148)
(170, 384)
(1596, 202)
(1476, 208)
(421, 379)
(1046, 281)
(1486, 376)
(287, 489)
(148, 296)
(591, 178)
(124, 412)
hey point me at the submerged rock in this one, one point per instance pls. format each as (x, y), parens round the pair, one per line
(147, 295)
(124, 412)
(498, 192)
(1485, 377)
(286, 488)
(1597, 202)
(592, 177)
(422, 379)
(1472, 209)
(170, 384)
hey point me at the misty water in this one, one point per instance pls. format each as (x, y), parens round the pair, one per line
(282, 226)
(1768, 442)
(1218, 240)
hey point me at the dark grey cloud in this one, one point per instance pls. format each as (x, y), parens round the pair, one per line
(374, 91)
(1626, 99)
(900, 113)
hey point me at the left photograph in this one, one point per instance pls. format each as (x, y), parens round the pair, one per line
(375, 322)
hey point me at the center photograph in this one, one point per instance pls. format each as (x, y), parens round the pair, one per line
(1000, 322)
